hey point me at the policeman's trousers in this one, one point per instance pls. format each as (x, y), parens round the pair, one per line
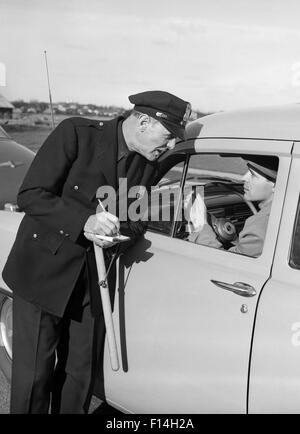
(54, 359)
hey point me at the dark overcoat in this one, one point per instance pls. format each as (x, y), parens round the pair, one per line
(58, 195)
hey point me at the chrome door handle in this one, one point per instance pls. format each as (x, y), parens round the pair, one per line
(239, 288)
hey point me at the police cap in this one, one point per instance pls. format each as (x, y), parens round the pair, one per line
(168, 109)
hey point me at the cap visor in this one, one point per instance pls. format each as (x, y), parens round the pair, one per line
(177, 131)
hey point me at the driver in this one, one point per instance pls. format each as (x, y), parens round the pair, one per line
(259, 183)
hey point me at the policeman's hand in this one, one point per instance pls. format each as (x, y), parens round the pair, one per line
(102, 223)
(104, 244)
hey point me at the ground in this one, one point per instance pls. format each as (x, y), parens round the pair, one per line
(5, 396)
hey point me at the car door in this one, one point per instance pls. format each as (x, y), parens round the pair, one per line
(184, 343)
(274, 385)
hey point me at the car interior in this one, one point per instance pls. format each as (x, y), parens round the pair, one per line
(221, 180)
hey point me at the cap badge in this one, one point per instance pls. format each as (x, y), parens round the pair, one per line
(161, 115)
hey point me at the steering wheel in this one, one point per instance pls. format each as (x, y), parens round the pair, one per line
(223, 227)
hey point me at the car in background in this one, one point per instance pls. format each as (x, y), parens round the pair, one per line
(15, 160)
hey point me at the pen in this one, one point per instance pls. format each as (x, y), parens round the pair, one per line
(104, 210)
(101, 204)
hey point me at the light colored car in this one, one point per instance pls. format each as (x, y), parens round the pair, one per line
(14, 163)
(200, 329)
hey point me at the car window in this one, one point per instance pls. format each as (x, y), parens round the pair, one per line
(164, 199)
(217, 211)
(295, 250)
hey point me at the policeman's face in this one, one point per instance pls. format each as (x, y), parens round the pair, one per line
(152, 139)
(257, 187)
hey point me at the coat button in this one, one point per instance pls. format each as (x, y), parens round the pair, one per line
(67, 235)
(76, 187)
(34, 235)
(101, 124)
(61, 232)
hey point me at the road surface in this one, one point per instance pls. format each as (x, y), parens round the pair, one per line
(5, 396)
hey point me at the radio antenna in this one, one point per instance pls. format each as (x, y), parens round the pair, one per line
(50, 98)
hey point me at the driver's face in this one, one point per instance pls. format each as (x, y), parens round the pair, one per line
(257, 187)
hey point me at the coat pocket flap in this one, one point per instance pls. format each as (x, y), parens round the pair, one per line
(53, 243)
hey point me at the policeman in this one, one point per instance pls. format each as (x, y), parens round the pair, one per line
(57, 317)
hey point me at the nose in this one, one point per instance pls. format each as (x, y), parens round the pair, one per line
(171, 144)
(246, 177)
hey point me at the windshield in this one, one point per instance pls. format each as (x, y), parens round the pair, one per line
(218, 164)
(3, 134)
(209, 167)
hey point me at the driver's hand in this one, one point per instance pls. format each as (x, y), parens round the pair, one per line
(195, 212)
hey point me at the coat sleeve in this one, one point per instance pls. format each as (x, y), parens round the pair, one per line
(40, 193)
(251, 239)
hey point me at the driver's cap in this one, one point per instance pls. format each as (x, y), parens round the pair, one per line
(266, 172)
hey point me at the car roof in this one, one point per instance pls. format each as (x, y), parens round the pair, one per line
(275, 123)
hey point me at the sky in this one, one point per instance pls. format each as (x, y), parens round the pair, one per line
(217, 54)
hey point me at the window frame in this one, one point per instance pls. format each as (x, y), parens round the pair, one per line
(182, 180)
(296, 227)
(193, 152)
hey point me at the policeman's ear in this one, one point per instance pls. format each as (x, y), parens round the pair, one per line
(144, 122)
